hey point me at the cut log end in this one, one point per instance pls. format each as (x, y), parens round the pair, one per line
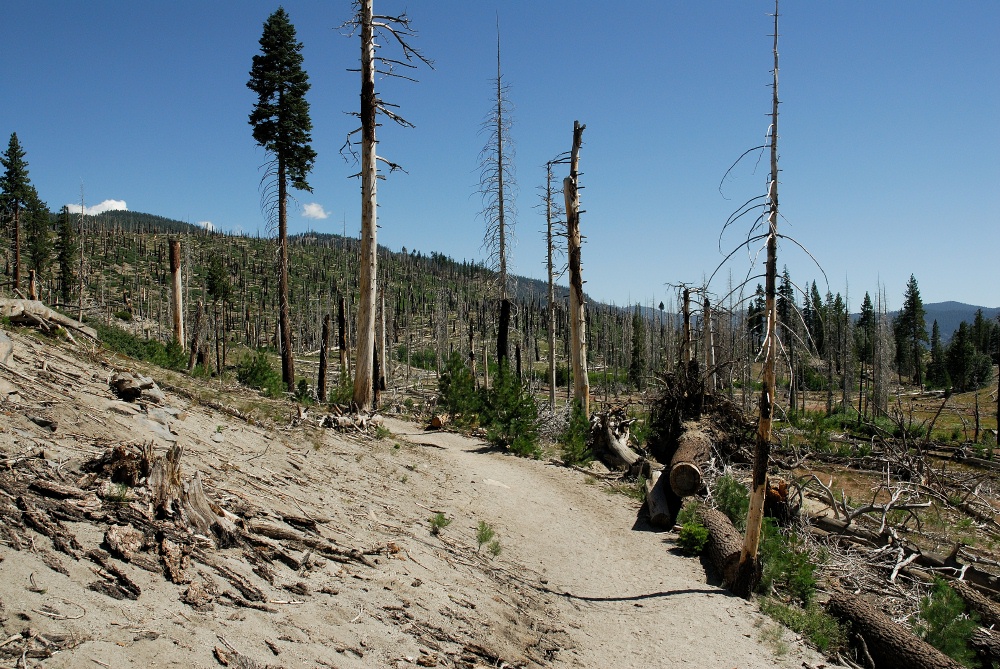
(685, 479)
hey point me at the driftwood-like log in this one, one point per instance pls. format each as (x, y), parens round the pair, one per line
(33, 312)
(889, 644)
(693, 450)
(724, 543)
(610, 433)
(661, 511)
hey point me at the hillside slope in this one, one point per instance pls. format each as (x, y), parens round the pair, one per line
(348, 574)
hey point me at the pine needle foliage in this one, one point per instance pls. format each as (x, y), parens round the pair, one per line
(574, 439)
(943, 623)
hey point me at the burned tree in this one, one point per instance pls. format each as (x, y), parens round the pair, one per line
(395, 29)
(748, 571)
(497, 187)
(577, 306)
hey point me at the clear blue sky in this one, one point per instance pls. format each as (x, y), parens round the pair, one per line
(889, 139)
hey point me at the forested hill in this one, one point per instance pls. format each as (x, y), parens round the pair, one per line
(135, 221)
(949, 315)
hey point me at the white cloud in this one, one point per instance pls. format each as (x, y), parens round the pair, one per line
(314, 210)
(107, 205)
(207, 225)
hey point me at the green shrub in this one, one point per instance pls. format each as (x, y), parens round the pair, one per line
(438, 522)
(484, 533)
(303, 393)
(168, 356)
(942, 623)
(256, 372)
(573, 440)
(785, 565)
(819, 627)
(457, 390)
(124, 315)
(733, 499)
(510, 415)
(692, 538)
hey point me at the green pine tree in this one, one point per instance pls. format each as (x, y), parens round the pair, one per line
(38, 234)
(15, 193)
(638, 365)
(910, 331)
(281, 125)
(937, 370)
(66, 249)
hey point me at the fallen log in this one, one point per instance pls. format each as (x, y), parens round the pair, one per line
(987, 646)
(33, 312)
(889, 644)
(662, 506)
(724, 543)
(693, 450)
(988, 610)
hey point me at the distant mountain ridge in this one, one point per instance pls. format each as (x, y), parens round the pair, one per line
(949, 315)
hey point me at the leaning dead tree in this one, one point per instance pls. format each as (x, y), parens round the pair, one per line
(498, 190)
(577, 306)
(748, 572)
(393, 29)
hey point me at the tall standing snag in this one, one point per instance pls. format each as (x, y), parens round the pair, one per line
(497, 188)
(577, 306)
(367, 23)
(175, 291)
(281, 125)
(748, 573)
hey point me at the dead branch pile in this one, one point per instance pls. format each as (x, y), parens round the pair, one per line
(156, 519)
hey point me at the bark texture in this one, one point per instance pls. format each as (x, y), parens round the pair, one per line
(890, 645)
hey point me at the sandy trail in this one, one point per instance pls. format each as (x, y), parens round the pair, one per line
(628, 600)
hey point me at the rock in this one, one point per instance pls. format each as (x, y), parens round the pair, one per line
(154, 395)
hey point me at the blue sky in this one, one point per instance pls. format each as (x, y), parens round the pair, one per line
(889, 134)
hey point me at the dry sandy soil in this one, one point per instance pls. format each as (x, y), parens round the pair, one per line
(580, 580)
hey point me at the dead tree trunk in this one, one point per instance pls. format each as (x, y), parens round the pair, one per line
(199, 317)
(323, 347)
(176, 304)
(749, 570)
(693, 451)
(342, 338)
(986, 643)
(889, 644)
(363, 384)
(551, 293)
(577, 306)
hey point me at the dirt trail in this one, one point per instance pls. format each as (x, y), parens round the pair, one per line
(574, 586)
(628, 600)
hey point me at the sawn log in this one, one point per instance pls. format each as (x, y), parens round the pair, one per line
(724, 543)
(693, 450)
